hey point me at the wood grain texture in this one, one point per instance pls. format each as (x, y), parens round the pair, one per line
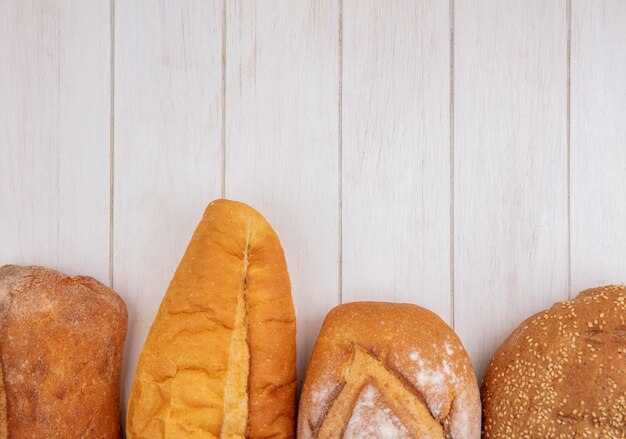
(282, 141)
(511, 257)
(396, 153)
(54, 135)
(167, 147)
(598, 143)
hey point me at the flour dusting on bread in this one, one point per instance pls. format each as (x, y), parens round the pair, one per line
(372, 418)
(436, 380)
(321, 398)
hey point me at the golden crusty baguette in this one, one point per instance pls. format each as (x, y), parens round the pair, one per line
(562, 372)
(220, 357)
(388, 370)
(61, 344)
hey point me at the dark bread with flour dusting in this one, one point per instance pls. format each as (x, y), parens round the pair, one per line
(61, 343)
(388, 370)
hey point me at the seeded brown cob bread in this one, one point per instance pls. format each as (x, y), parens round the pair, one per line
(383, 370)
(562, 372)
(61, 343)
(220, 357)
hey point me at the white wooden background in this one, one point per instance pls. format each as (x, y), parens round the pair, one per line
(465, 155)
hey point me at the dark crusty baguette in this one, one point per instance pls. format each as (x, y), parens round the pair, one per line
(220, 358)
(562, 372)
(61, 343)
(383, 370)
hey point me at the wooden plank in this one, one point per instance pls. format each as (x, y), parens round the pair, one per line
(167, 147)
(282, 140)
(54, 135)
(598, 143)
(396, 153)
(511, 222)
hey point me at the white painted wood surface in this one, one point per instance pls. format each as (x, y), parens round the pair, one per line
(598, 143)
(54, 135)
(510, 150)
(419, 151)
(396, 153)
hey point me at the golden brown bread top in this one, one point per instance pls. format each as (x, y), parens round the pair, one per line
(562, 372)
(219, 360)
(61, 343)
(394, 369)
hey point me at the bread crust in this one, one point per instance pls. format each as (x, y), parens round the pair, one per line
(219, 360)
(408, 356)
(562, 372)
(61, 344)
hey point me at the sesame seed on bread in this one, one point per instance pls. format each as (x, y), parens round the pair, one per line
(562, 372)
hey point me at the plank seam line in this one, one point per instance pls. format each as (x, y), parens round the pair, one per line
(223, 121)
(451, 158)
(111, 136)
(569, 152)
(340, 148)
(59, 131)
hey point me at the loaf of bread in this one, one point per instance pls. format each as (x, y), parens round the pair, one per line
(562, 372)
(220, 357)
(61, 343)
(382, 370)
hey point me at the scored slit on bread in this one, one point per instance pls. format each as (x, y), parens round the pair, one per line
(234, 423)
(365, 373)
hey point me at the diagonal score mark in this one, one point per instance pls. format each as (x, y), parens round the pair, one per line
(363, 370)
